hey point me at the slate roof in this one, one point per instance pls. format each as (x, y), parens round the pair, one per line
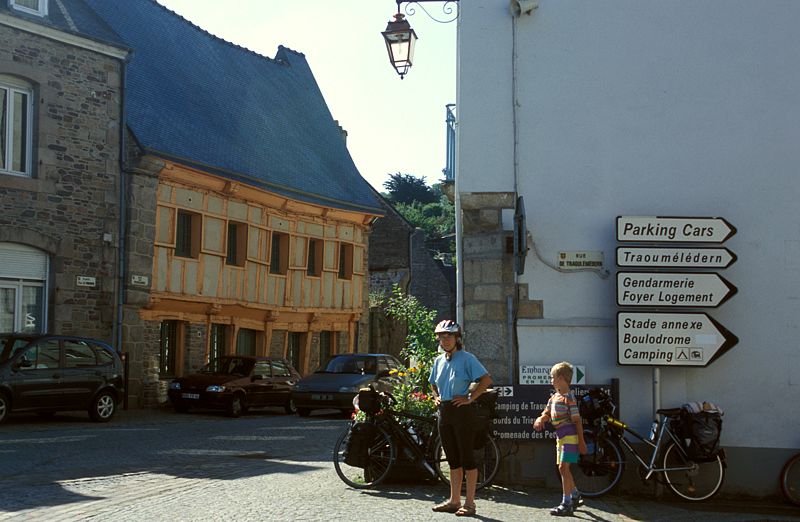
(70, 16)
(204, 102)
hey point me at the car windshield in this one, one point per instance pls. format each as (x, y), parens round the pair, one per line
(350, 365)
(10, 345)
(229, 366)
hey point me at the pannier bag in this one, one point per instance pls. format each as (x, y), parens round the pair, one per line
(362, 437)
(700, 429)
(594, 405)
(486, 407)
(369, 401)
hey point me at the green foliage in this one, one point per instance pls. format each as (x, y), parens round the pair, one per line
(405, 188)
(411, 389)
(436, 219)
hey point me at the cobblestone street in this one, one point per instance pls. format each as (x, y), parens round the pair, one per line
(263, 466)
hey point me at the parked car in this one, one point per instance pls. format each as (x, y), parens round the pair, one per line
(50, 373)
(236, 383)
(337, 381)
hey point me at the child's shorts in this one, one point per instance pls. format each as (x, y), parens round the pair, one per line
(567, 444)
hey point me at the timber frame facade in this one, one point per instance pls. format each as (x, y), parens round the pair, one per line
(302, 302)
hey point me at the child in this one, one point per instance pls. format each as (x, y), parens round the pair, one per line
(562, 412)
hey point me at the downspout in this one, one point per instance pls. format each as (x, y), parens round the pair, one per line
(123, 216)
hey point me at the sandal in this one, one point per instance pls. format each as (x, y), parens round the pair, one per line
(466, 511)
(447, 507)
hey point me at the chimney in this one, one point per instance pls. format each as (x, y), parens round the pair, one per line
(341, 131)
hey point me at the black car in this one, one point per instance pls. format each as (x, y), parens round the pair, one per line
(236, 383)
(338, 380)
(50, 373)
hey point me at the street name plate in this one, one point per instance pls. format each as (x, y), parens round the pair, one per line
(670, 339)
(675, 257)
(656, 229)
(657, 289)
(580, 260)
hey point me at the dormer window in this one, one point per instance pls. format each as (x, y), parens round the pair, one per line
(35, 7)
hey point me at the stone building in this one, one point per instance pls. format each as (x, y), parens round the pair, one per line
(398, 255)
(247, 220)
(61, 72)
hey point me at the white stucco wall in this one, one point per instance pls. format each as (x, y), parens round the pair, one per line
(631, 107)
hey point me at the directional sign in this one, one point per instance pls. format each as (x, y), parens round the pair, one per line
(657, 289)
(673, 229)
(675, 257)
(666, 339)
(540, 374)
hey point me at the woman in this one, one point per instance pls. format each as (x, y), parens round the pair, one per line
(451, 375)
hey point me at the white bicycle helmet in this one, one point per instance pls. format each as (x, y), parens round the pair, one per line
(448, 326)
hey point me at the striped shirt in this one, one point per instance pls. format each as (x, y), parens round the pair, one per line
(561, 409)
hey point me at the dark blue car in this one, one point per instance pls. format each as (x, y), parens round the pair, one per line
(336, 382)
(50, 373)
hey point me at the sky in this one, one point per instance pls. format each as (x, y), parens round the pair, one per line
(393, 125)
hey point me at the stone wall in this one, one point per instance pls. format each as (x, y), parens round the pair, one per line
(70, 207)
(489, 283)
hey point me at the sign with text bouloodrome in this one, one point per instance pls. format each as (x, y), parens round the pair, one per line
(655, 229)
(683, 289)
(670, 339)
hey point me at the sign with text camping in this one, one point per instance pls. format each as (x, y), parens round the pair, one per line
(670, 339)
(517, 410)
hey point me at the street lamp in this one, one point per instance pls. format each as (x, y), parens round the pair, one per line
(400, 37)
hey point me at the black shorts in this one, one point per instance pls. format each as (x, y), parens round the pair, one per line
(457, 426)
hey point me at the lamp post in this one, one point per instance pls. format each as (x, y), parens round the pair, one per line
(400, 38)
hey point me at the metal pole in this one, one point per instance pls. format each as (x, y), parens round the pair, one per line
(656, 390)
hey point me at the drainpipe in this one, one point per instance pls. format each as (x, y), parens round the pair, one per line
(123, 216)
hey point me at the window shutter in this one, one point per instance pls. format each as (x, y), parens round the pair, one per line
(22, 262)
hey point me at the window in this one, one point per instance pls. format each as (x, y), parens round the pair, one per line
(16, 109)
(246, 342)
(237, 243)
(293, 348)
(279, 255)
(78, 354)
(314, 267)
(325, 346)
(279, 369)
(44, 355)
(345, 261)
(187, 234)
(37, 7)
(169, 348)
(218, 346)
(23, 281)
(262, 368)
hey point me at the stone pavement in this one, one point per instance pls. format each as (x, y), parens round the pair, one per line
(157, 465)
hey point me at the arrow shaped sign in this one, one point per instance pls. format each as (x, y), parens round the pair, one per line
(664, 339)
(673, 289)
(675, 257)
(660, 229)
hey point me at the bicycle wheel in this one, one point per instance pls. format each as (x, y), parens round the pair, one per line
(379, 460)
(600, 470)
(698, 480)
(790, 480)
(487, 460)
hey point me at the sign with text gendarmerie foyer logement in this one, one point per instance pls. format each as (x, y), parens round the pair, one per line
(654, 328)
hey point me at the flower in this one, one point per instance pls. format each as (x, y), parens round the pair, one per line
(413, 370)
(393, 372)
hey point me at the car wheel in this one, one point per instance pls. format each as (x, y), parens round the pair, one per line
(103, 408)
(5, 406)
(303, 412)
(290, 407)
(236, 407)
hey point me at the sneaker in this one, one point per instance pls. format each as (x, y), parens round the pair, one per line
(562, 510)
(577, 500)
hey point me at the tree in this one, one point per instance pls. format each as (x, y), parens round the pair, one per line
(405, 188)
